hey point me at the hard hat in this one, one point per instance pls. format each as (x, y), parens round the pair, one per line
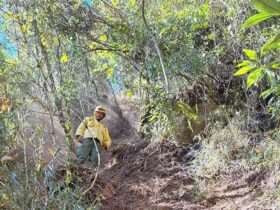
(100, 109)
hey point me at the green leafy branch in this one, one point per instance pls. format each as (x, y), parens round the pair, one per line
(255, 68)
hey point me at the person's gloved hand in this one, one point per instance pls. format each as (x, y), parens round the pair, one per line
(79, 139)
(77, 142)
(105, 147)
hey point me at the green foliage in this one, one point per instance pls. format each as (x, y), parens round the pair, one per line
(267, 10)
(264, 63)
(67, 52)
(186, 110)
(245, 68)
(271, 44)
(258, 18)
(269, 6)
(251, 54)
(254, 77)
(155, 118)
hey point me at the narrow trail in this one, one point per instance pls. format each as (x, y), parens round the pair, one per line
(139, 175)
(143, 175)
(146, 176)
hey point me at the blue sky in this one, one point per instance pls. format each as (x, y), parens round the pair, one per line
(88, 3)
(9, 48)
(7, 44)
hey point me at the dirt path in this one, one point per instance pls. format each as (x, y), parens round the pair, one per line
(139, 175)
(146, 177)
(143, 176)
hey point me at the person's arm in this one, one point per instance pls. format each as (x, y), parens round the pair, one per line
(80, 131)
(107, 142)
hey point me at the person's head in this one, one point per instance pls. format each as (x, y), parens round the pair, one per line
(99, 113)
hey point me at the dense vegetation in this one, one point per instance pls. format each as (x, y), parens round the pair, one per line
(199, 72)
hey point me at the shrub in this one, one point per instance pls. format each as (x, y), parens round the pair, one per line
(220, 152)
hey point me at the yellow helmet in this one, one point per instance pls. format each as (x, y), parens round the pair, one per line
(100, 109)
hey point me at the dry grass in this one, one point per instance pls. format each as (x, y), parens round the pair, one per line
(229, 154)
(220, 152)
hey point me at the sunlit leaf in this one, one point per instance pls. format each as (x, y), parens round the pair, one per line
(132, 3)
(109, 72)
(103, 38)
(244, 70)
(254, 77)
(251, 54)
(244, 63)
(64, 58)
(153, 117)
(255, 19)
(115, 3)
(275, 65)
(104, 66)
(269, 6)
(273, 43)
(24, 28)
(92, 45)
(44, 39)
(186, 110)
(267, 92)
(69, 177)
(129, 93)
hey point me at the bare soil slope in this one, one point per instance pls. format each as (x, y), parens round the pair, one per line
(145, 176)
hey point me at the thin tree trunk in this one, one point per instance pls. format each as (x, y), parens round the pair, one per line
(156, 46)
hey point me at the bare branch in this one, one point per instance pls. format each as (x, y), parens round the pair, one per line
(156, 46)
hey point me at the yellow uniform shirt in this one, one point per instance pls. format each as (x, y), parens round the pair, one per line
(91, 128)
